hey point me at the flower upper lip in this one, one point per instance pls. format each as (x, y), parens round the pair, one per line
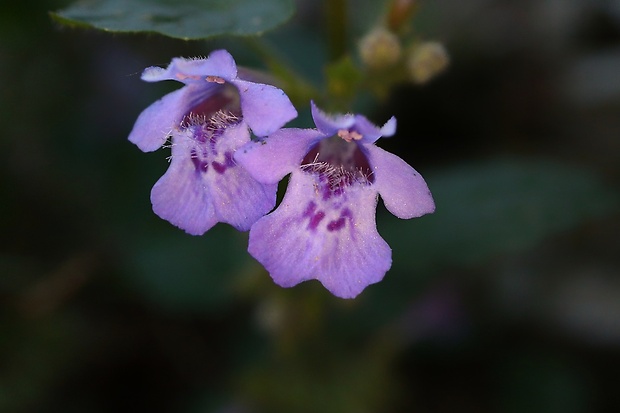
(333, 124)
(265, 108)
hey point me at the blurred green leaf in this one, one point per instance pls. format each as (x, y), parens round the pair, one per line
(539, 382)
(188, 19)
(496, 207)
(343, 79)
(37, 353)
(181, 273)
(357, 380)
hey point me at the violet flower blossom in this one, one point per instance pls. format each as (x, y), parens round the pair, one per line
(325, 227)
(207, 120)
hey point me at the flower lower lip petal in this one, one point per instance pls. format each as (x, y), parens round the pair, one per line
(335, 242)
(200, 188)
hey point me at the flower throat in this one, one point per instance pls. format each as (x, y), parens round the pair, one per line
(338, 162)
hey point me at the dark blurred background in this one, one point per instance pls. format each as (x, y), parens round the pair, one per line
(507, 299)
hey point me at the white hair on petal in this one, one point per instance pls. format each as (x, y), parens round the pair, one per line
(209, 124)
(337, 175)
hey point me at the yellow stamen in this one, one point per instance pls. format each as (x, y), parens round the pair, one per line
(216, 79)
(349, 136)
(182, 76)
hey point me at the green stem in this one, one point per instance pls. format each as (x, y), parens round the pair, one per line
(336, 17)
(299, 90)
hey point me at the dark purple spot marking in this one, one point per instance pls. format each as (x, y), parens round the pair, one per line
(200, 135)
(199, 164)
(315, 217)
(338, 224)
(207, 121)
(219, 167)
(316, 220)
(310, 209)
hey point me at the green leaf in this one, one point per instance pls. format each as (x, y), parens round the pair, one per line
(497, 207)
(185, 274)
(189, 19)
(485, 210)
(542, 382)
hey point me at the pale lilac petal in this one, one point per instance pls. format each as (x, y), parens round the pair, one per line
(156, 74)
(272, 158)
(239, 199)
(334, 241)
(265, 108)
(195, 200)
(181, 196)
(330, 124)
(403, 190)
(370, 132)
(219, 63)
(389, 128)
(156, 122)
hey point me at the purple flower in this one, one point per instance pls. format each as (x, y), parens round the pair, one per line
(325, 227)
(207, 120)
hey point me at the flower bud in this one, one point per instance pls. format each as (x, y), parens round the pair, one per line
(426, 60)
(380, 48)
(399, 14)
